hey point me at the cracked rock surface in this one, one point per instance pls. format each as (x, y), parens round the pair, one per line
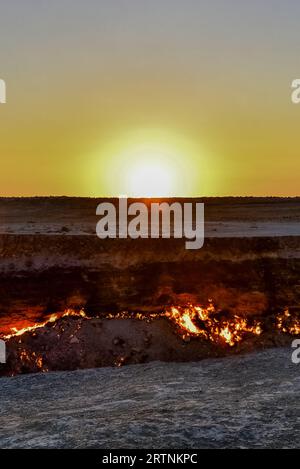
(235, 402)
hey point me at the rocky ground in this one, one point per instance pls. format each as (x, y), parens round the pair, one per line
(249, 401)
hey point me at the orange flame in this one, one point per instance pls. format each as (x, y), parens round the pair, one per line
(191, 321)
(288, 324)
(197, 321)
(52, 318)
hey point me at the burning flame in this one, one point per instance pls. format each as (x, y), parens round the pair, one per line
(51, 319)
(184, 319)
(197, 321)
(190, 321)
(288, 324)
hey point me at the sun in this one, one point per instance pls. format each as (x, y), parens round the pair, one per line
(146, 163)
(151, 178)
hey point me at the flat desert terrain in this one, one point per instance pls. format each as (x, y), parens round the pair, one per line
(224, 216)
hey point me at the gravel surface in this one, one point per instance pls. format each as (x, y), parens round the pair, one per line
(244, 401)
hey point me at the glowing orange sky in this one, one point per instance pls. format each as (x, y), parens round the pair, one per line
(206, 83)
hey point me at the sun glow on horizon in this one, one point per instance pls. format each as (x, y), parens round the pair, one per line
(148, 163)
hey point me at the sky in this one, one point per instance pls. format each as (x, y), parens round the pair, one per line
(111, 97)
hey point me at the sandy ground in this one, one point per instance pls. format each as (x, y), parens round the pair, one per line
(224, 217)
(240, 402)
(212, 229)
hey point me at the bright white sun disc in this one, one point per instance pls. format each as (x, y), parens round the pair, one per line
(151, 179)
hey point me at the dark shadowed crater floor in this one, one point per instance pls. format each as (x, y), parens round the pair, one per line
(246, 401)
